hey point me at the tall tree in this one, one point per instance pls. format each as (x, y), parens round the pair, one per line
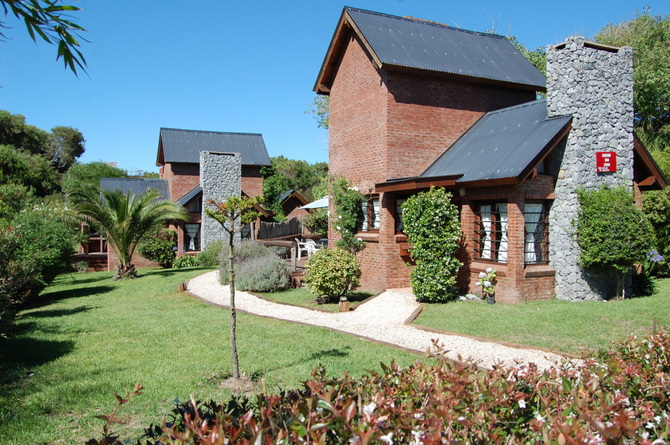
(126, 219)
(233, 214)
(649, 36)
(34, 172)
(61, 147)
(82, 177)
(65, 145)
(49, 20)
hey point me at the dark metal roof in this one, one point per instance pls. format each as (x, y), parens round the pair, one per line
(135, 185)
(502, 144)
(185, 146)
(190, 195)
(414, 43)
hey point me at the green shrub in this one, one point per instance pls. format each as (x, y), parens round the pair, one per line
(211, 255)
(160, 248)
(183, 262)
(243, 251)
(347, 201)
(264, 274)
(331, 273)
(35, 246)
(612, 233)
(433, 231)
(618, 397)
(656, 205)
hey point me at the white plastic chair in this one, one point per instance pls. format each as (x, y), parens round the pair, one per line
(311, 246)
(302, 247)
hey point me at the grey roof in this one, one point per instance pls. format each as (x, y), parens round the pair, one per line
(186, 145)
(190, 195)
(502, 144)
(135, 185)
(414, 43)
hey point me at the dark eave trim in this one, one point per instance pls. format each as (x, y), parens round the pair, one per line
(558, 137)
(649, 162)
(417, 183)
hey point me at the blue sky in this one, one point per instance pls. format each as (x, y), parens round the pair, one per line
(242, 66)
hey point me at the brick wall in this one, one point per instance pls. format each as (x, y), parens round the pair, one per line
(182, 178)
(252, 181)
(517, 281)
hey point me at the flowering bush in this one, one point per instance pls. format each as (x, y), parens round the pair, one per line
(487, 281)
(618, 397)
(434, 233)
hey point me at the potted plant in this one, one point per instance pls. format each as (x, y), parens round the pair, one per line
(487, 281)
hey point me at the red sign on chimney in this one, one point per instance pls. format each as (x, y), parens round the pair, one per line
(605, 161)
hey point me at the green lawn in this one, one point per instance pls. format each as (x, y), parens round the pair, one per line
(303, 297)
(92, 337)
(558, 325)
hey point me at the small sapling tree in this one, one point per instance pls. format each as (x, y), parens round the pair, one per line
(233, 214)
(433, 231)
(612, 233)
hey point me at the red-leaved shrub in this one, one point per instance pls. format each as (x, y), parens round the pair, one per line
(616, 397)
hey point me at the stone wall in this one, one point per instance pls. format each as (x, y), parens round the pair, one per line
(594, 84)
(220, 177)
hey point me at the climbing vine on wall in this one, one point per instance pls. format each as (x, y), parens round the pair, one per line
(348, 201)
(433, 231)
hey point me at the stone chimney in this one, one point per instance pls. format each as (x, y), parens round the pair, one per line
(594, 84)
(220, 177)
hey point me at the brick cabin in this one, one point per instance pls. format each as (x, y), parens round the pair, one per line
(415, 104)
(179, 159)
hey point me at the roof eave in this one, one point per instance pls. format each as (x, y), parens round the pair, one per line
(553, 142)
(416, 183)
(331, 61)
(659, 178)
(461, 77)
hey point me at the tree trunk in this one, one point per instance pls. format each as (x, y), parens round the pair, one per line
(125, 271)
(620, 277)
(233, 312)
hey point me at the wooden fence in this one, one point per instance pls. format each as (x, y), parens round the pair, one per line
(286, 229)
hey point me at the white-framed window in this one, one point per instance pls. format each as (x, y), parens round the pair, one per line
(191, 237)
(491, 242)
(536, 232)
(368, 217)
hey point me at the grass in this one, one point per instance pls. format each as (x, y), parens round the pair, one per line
(90, 337)
(305, 298)
(558, 325)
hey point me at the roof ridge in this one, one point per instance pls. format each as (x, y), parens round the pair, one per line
(210, 131)
(425, 22)
(535, 102)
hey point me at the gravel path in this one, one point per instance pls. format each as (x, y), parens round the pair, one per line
(381, 318)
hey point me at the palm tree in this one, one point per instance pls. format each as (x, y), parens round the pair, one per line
(125, 219)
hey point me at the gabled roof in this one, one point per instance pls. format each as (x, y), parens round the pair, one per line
(502, 146)
(505, 143)
(175, 145)
(291, 194)
(135, 185)
(194, 192)
(403, 43)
